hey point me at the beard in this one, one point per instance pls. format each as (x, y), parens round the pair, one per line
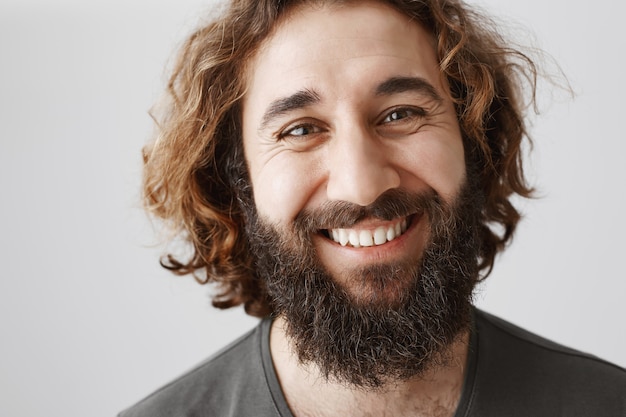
(387, 322)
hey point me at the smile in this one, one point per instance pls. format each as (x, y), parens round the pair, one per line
(357, 238)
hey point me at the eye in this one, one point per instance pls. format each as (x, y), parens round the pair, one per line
(299, 131)
(402, 121)
(402, 113)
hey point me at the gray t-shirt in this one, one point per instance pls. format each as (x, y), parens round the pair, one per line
(510, 372)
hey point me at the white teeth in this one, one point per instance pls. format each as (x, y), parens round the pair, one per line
(365, 238)
(353, 238)
(380, 236)
(391, 234)
(343, 237)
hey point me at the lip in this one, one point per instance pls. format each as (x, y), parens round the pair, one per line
(410, 242)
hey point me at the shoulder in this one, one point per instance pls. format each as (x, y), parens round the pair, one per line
(524, 368)
(211, 388)
(496, 334)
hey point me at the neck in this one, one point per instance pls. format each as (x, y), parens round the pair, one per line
(308, 393)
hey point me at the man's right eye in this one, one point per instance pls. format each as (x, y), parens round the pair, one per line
(299, 131)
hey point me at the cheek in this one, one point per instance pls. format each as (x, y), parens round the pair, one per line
(450, 160)
(438, 163)
(284, 186)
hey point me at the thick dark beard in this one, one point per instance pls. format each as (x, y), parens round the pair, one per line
(370, 342)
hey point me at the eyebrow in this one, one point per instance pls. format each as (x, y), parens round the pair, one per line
(299, 100)
(396, 85)
(305, 98)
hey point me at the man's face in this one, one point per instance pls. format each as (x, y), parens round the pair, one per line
(343, 104)
(364, 222)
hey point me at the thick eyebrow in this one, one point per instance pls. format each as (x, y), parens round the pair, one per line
(306, 97)
(299, 100)
(396, 85)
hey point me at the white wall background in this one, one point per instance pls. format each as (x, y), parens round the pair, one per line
(88, 321)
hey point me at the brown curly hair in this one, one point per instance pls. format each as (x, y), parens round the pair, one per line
(192, 166)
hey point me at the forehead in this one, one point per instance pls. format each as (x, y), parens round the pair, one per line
(336, 49)
(342, 21)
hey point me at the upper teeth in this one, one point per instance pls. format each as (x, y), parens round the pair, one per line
(365, 237)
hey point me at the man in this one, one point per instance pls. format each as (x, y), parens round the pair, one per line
(344, 170)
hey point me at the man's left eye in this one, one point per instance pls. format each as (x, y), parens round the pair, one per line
(402, 113)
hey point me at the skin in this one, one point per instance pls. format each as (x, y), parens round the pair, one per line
(321, 123)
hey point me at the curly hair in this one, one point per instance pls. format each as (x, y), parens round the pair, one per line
(190, 169)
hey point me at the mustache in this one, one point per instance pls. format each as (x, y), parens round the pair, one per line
(392, 204)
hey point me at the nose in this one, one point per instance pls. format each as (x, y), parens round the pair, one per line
(360, 168)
